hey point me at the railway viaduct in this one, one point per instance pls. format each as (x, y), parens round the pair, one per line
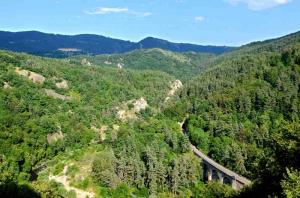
(215, 171)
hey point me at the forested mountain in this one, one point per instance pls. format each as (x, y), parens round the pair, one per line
(150, 42)
(110, 125)
(181, 65)
(71, 129)
(244, 112)
(55, 45)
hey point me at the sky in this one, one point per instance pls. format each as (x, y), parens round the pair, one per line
(207, 22)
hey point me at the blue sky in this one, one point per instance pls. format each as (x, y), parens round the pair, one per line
(217, 22)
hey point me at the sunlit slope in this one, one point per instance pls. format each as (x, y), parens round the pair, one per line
(181, 65)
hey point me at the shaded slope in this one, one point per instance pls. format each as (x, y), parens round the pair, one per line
(56, 45)
(151, 42)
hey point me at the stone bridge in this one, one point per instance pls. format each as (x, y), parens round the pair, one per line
(217, 172)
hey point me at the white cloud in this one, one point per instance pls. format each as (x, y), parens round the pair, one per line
(259, 4)
(114, 10)
(107, 10)
(199, 18)
(140, 14)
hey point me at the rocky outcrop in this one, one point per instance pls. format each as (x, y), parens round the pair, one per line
(131, 108)
(35, 77)
(55, 95)
(140, 104)
(100, 131)
(54, 137)
(120, 65)
(107, 62)
(123, 115)
(62, 85)
(6, 85)
(177, 84)
(85, 62)
(116, 127)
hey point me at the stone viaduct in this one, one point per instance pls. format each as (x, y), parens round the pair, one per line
(214, 171)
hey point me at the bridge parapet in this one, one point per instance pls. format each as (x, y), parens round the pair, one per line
(215, 171)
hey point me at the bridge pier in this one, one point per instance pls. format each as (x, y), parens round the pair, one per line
(234, 184)
(209, 174)
(221, 177)
(214, 171)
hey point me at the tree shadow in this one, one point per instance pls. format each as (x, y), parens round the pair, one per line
(13, 190)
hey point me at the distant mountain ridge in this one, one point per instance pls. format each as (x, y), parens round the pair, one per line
(151, 42)
(56, 45)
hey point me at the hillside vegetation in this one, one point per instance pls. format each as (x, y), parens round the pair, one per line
(62, 132)
(181, 65)
(56, 45)
(244, 112)
(110, 126)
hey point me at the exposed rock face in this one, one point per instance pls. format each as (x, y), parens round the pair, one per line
(107, 63)
(54, 137)
(55, 95)
(100, 131)
(125, 113)
(140, 104)
(62, 85)
(6, 85)
(120, 65)
(35, 77)
(177, 84)
(116, 127)
(85, 62)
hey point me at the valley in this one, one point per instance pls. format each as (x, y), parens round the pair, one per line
(109, 125)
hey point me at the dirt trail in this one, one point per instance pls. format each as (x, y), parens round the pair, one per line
(64, 180)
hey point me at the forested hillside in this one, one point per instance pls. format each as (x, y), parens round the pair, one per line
(56, 45)
(181, 65)
(244, 112)
(121, 125)
(70, 130)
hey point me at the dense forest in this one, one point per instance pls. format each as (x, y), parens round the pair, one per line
(60, 46)
(84, 126)
(183, 66)
(244, 112)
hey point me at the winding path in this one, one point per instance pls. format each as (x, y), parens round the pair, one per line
(64, 180)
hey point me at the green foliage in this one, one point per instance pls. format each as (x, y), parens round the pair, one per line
(28, 116)
(153, 163)
(181, 65)
(104, 168)
(244, 112)
(291, 184)
(14, 190)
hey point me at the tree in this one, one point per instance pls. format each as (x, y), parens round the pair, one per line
(291, 184)
(104, 169)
